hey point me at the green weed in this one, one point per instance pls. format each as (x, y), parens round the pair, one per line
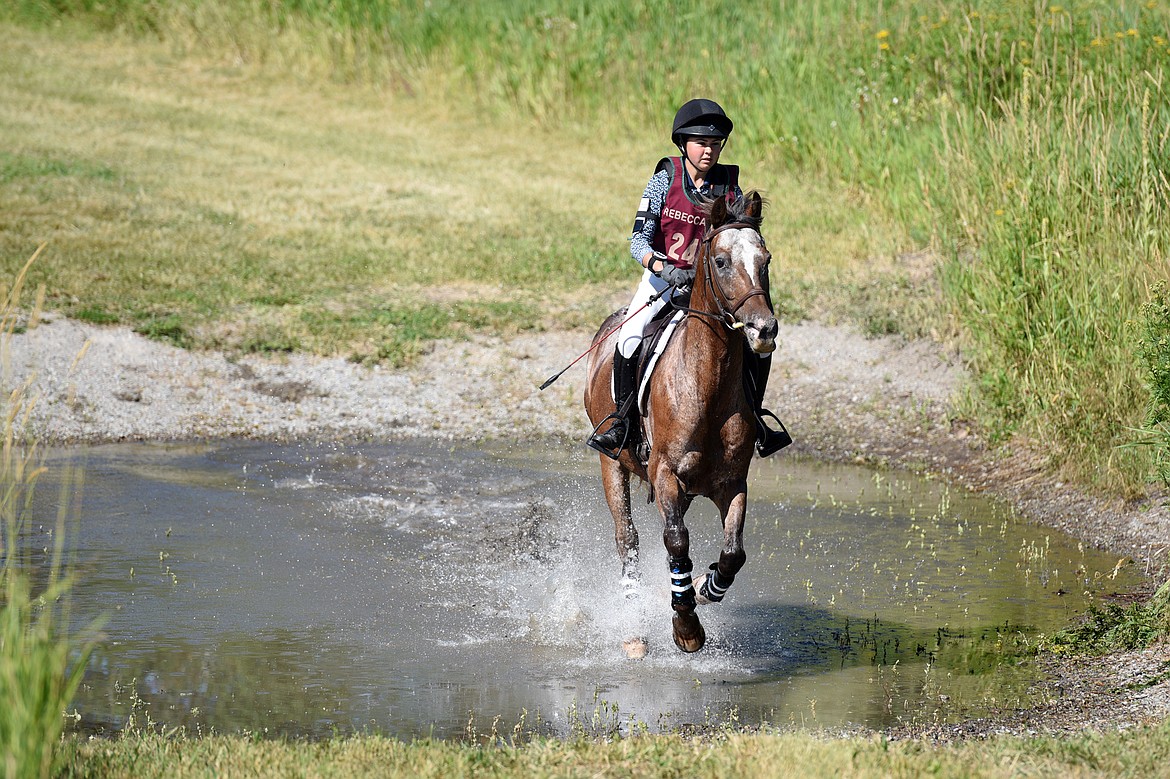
(1112, 628)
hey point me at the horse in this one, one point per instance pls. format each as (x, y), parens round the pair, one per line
(698, 419)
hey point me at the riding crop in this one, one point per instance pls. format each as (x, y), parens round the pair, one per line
(608, 333)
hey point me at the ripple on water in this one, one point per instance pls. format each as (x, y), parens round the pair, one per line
(400, 587)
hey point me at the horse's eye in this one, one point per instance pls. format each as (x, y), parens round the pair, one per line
(720, 262)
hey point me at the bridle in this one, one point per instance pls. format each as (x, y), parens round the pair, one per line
(727, 308)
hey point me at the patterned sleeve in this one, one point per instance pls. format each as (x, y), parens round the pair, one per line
(649, 213)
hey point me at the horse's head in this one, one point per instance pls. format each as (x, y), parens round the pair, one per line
(734, 270)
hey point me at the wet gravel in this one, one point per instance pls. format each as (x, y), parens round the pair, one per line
(843, 396)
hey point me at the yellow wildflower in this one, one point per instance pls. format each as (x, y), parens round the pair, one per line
(882, 35)
(884, 46)
(1055, 9)
(1131, 32)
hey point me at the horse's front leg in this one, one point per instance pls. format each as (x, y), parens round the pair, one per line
(673, 503)
(732, 505)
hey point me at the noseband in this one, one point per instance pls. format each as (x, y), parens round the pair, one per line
(728, 308)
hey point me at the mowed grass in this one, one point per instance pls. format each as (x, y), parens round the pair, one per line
(220, 206)
(1133, 753)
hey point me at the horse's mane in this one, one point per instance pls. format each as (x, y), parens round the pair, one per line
(737, 211)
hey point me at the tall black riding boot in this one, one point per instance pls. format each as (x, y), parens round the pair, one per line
(768, 441)
(612, 441)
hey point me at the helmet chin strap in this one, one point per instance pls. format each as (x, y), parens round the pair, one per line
(683, 150)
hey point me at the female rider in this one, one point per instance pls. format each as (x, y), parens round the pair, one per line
(667, 232)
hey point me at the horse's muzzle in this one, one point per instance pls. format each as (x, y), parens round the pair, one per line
(761, 334)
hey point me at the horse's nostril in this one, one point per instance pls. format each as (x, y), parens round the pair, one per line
(768, 329)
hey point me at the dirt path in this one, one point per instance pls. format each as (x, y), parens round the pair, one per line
(843, 396)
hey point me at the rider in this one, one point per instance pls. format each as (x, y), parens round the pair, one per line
(668, 229)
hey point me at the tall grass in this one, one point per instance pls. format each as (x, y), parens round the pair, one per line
(1155, 353)
(1024, 142)
(1065, 191)
(41, 662)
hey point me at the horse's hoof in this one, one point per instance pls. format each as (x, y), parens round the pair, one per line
(688, 633)
(635, 648)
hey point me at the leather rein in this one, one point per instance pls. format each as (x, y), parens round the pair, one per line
(727, 308)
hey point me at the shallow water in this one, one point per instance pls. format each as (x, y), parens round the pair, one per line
(415, 589)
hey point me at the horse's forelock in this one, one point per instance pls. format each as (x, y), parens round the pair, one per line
(737, 211)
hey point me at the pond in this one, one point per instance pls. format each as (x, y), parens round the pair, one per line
(422, 589)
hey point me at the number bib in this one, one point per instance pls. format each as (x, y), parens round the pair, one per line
(681, 226)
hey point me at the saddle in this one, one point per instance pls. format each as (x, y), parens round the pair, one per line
(655, 338)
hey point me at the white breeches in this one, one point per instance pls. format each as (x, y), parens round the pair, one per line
(630, 336)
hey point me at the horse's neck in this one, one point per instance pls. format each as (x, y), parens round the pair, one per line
(714, 352)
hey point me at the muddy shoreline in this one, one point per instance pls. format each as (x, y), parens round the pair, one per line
(885, 402)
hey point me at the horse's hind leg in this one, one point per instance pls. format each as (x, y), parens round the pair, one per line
(733, 508)
(615, 480)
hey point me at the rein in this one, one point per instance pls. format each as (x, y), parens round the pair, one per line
(727, 308)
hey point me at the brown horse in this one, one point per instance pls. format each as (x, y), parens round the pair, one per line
(698, 419)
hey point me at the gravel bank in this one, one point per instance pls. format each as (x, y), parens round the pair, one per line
(843, 396)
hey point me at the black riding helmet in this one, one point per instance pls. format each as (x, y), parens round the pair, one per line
(700, 117)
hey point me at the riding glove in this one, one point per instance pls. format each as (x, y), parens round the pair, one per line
(675, 276)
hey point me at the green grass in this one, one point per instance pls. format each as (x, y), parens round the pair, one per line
(1154, 350)
(225, 205)
(310, 151)
(1111, 628)
(1132, 753)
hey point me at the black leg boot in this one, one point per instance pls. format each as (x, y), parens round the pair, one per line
(612, 441)
(768, 441)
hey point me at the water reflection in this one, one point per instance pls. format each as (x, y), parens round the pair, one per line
(414, 588)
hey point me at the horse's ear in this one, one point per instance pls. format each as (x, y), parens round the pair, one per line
(718, 212)
(755, 204)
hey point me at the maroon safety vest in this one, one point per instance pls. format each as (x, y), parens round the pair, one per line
(681, 226)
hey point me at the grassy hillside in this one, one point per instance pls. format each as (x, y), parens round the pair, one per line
(302, 154)
(216, 204)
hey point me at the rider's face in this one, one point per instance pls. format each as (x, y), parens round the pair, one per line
(703, 152)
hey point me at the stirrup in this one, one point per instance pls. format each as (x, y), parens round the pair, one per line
(595, 442)
(769, 441)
